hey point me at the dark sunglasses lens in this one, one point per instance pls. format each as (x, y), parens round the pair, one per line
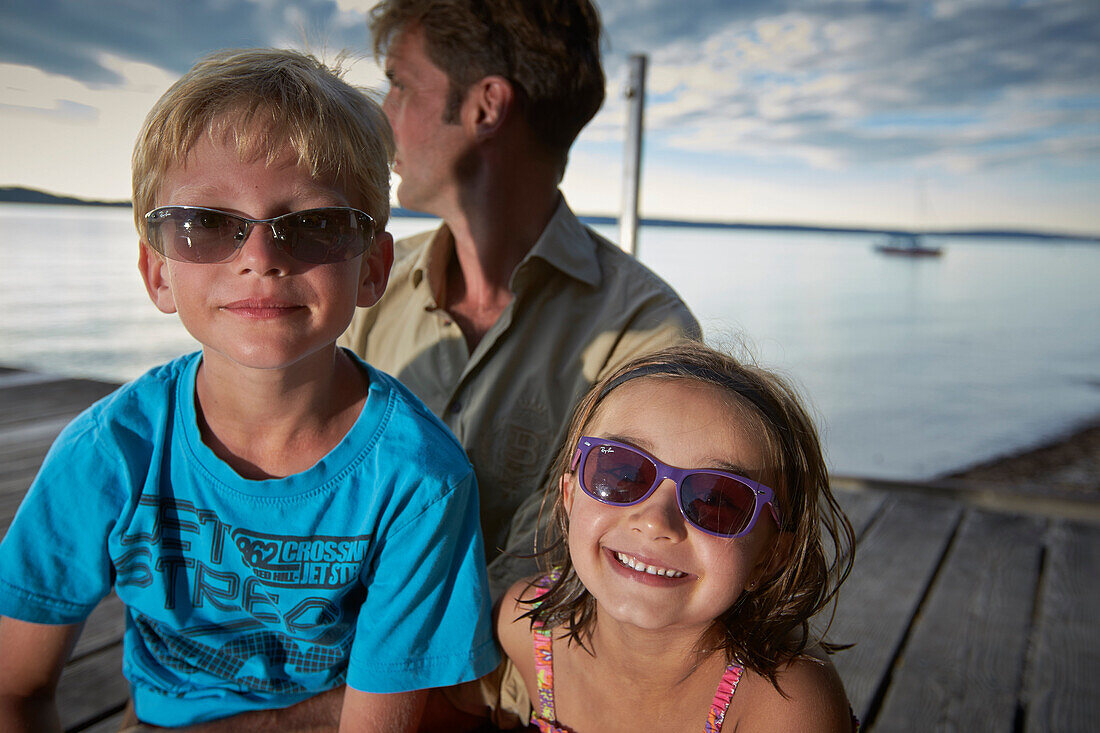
(322, 236)
(718, 504)
(195, 235)
(617, 475)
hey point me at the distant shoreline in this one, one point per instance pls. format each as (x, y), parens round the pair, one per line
(20, 195)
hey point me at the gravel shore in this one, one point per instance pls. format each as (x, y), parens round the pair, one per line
(1067, 465)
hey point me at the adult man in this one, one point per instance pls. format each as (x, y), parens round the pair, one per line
(503, 316)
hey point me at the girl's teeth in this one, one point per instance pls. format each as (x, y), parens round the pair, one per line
(641, 567)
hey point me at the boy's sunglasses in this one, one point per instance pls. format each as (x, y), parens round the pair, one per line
(717, 502)
(201, 235)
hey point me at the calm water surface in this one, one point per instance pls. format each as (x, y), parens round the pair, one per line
(914, 367)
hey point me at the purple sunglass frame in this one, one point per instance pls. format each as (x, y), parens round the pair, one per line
(762, 495)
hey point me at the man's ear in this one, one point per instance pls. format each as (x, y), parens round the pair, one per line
(488, 104)
(154, 272)
(374, 272)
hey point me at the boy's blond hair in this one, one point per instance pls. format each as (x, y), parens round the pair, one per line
(261, 100)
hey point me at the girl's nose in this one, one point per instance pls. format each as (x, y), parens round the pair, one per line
(659, 517)
(260, 252)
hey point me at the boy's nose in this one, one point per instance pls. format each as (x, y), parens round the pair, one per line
(659, 517)
(260, 251)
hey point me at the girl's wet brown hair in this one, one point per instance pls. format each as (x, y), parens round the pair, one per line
(769, 624)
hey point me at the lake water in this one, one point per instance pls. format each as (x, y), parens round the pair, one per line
(915, 367)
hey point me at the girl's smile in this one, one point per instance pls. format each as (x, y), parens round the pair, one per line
(644, 564)
(639, 566)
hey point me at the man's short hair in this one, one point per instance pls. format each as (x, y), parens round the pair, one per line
(548, 49)
(261, 100)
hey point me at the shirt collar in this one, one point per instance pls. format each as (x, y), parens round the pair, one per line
(565, 244)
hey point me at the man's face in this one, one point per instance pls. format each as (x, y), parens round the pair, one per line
(428, 149)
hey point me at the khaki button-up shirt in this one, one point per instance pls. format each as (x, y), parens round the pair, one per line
(580, 308)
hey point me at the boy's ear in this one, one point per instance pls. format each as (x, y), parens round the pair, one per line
(488, 103)
(374, 272)
(154, 272)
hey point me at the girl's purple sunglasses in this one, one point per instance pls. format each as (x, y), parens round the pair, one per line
(719, 503)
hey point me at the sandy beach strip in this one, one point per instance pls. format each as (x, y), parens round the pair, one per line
(1069, 464)
(1056, 479)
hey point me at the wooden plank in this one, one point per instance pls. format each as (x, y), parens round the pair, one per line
(33, 410)
(31, 431)
(963, 663)
(1060, 687)
(28, 403)
(23, 459)
(23, 446)
(9, 503)
(110, 724)
(104, 627)
(17, 378)
(18, 471)
(894, 564)
(860, 507)
(91, 687)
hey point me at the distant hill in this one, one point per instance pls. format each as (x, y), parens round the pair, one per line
(766, 226)
(15, 194)
(19, 195)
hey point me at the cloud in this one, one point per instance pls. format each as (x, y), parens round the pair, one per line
(817, 86)
(61, 110)
(71, 38)
(847, 83)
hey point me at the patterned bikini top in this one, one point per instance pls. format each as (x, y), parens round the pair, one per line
(543, 715)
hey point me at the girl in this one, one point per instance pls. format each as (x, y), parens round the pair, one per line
(693, 496)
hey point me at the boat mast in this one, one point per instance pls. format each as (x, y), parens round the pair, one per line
(632, 155)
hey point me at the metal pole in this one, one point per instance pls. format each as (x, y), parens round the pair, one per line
(632, 155)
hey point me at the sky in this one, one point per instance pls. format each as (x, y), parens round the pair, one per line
(890, 113)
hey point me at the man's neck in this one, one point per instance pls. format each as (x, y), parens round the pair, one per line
(492, 234)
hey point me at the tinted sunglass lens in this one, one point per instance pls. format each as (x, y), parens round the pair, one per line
(324, 236)
(196, 235)
(718, 504)
(316, 236)
(617, 475)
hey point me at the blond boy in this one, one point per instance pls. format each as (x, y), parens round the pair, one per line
(280, 519)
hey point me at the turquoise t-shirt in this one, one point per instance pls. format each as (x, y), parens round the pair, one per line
(367, 569)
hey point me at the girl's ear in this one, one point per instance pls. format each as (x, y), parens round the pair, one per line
(566, 483)
(154, 272)
(772, 561)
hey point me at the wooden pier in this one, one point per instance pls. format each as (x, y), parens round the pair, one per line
(971, 609)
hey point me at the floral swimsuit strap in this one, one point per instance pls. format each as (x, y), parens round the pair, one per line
(544, 677)
(544, 662)
(722, 697)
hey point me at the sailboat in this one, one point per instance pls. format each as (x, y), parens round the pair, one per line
(908, 244)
